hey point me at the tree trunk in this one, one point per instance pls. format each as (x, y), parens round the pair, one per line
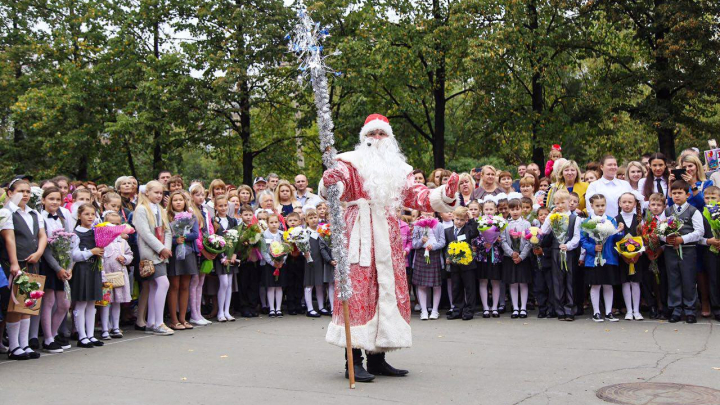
(247, 154)
(666, 128)
(157, 141)
(537, 96)
(439, 94)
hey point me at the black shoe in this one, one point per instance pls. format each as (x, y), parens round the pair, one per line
(140, 328)
(272, 314)
(21, 355)
(674, 319)
(598, 318)
(468, 316)
(450, 311)
(63, 342)
(85, 344)
(254, 314)
(378, 366)
(53, 347)
(454, 315)
(486, 314)
(561, 317)
(246, 314)
(653, 313)
(96, 342)
(495, 314)
(523, 314)
(33, 354)
(361, 375)
(278, 314)
(552, 315)
(542, 315)
(570, 318)
(501, 309)
(611, 318)
(34, 344)
(312, 314)
(514, 314)
(690, 319)
(325, 312)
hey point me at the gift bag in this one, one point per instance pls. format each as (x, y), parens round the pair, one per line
(22, 304)
(106, 290)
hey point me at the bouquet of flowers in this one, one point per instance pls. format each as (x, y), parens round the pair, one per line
(460, 253)
(35, 197)
(427, 224)
(181, 226)
(250, 241)
(105, 233)
(653, 247)
(712, 214)
(61, 244)
(214, 244)
(490, 226)
(231, 237)
(29, 289)
(533, 235)
(599, 229)
(630, 248)
(559, 223)
(278, 251)
(515, 236)
(671, 227)
(325, 233)
(300, 237)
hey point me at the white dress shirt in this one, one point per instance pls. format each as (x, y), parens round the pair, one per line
(698, 233)
(663, 183)
(25, 214)
(611, 189)
(574, 241)
(77, 254)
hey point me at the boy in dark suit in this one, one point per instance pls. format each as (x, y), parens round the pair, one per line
(463, 276)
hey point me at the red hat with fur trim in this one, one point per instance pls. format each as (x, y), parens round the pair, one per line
(376, 121)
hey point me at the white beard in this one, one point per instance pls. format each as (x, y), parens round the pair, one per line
(383, 170)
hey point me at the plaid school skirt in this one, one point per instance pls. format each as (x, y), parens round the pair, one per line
(427, 274)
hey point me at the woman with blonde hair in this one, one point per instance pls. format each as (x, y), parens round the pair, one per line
(125, 187)
(634, 173)
(569, 179)
(154, 243)
(284, 198)
(488, 184)
(465, 188)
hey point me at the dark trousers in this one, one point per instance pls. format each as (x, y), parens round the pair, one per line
(563, 283)
(580, 288)
(711, 267)
(654, 288)
(543, 288)
(249, 278)
(294, 291)
(464, 291)
(682, 280)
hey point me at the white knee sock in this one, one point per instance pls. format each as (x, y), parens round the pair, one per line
(514, 296)
(278, 298)
(495, 293)
(308, 299)
(484, 294)
(635, 297)
(13, 331)
(105, 318)
(437, 294)
(271, 298)
(595, 298)
(608, 298)
(79, 316)
(320, 294)
(627, 297)
(450, 293)
(523, 296)
(331, 295)
(23, 336)
(34, 326)
(422, 298)
(90, 320)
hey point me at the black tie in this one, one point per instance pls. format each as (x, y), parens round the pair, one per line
(659, 187)
(55, 217)
(456, 232)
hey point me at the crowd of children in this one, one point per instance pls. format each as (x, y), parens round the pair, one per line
(551, 243)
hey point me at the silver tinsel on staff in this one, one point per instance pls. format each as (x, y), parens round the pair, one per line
(305, 43)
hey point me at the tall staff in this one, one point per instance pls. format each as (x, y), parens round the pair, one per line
(305, 43)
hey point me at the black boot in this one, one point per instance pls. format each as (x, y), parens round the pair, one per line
(378, 366)
(361, 375)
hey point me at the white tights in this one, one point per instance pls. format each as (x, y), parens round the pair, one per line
(514, 295)
(450, 292)
(320, 292)
(495, 294)
(423, 295)
(631, 295)
(224, 294)
(156, 301)
(84, 314)
(607, 296)
(331, 295)
(105, 317)
(196, 286)
(274, 295)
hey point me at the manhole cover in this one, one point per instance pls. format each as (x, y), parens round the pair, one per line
(659, 393)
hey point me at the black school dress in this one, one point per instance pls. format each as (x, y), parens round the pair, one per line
(86, 282)
(642, 264)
